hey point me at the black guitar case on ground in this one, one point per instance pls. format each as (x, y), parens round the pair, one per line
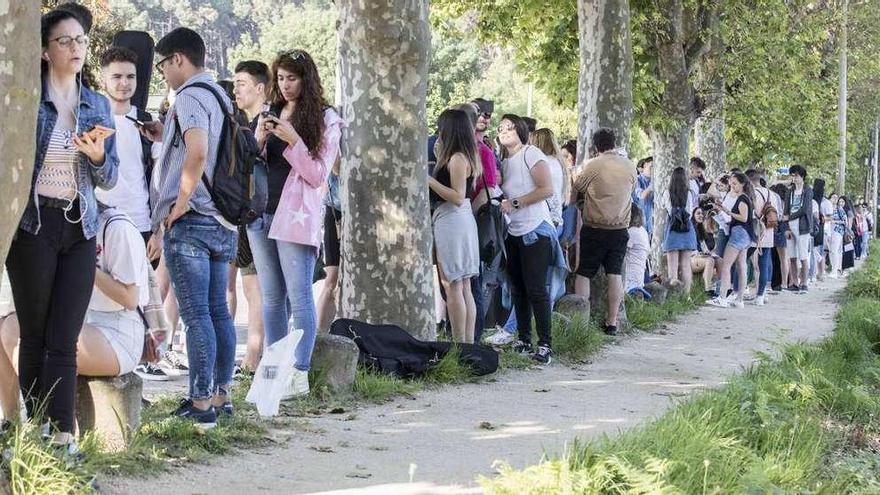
(142, 44)
(392, 350)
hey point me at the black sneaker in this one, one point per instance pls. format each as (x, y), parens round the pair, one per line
(803, 289)
(205, 419)
(711, 293)
(522, 347)
(544, 355)
(793, 288)
(610, 329)
(225, 410)
(149, 371)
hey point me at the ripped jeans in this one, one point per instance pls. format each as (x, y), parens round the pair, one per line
(198, 251)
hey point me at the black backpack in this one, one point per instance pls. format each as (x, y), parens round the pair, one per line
(491, 233)
(231, 186)
(391, 350)
(679, 219)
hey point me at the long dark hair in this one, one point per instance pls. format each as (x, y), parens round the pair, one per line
(678, 188)
(748, 190)
(703, 233)
(308, 117)
(819, 189)
(455, 134)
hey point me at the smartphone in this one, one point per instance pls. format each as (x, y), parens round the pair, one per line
(266, 114)
(135, 121)
(98, 131)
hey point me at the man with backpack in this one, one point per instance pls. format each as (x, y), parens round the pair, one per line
(199, 239)
(799, 215)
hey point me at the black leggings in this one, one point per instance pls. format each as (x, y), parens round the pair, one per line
(52, 274)
(527, 268)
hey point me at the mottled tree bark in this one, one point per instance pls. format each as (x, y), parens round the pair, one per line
(606, 70)
(604, 94)
(709, 130)
(19, 96)
(681, 38)
(386, 241)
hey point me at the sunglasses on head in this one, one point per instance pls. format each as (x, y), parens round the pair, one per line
(293, 54)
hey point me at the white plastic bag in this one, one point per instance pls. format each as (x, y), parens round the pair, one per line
(272, 375)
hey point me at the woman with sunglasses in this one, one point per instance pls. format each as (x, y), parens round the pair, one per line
(532, 245)
(51, 262)
(299, 136)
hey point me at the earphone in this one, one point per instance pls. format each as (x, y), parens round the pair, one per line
(77, 194)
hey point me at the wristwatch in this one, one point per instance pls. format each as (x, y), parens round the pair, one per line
(515, 203)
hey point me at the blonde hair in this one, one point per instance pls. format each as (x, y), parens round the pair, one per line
(545, 141)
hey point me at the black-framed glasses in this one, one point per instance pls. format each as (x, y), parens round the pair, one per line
(160, 63)
(294, 54)
(66, 41)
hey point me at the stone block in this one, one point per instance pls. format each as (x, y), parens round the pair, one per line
(337, 358)
(658, 292)
(573, 304)
(110, 406)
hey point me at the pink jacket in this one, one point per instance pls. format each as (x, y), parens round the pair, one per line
(300, 214)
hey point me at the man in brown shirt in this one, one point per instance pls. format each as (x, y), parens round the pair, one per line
(607, 183)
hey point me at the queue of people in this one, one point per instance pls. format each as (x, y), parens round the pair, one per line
(121, 204)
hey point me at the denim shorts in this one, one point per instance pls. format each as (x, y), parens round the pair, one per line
(739, 238)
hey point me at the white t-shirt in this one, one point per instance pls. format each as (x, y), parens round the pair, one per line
(122, 255)
(555, 201)
(722, 218)
(826, 209)
(637, 250)
(130, 194)
(517, 182)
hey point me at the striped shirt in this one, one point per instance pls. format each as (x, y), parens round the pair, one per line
(194, 108)
(57, 178)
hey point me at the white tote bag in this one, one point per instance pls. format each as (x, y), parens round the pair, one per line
(272, 375)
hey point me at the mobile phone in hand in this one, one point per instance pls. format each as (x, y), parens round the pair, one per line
(267, 114)
(98, 131)
(136, 122)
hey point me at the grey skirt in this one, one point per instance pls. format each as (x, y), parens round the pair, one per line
(455, 241)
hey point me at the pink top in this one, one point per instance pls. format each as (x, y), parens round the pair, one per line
(300, 214)
(490, 171)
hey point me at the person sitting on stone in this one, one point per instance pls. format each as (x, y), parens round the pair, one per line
(112, 337)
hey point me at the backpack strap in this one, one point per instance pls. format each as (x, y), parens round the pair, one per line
(223, 108)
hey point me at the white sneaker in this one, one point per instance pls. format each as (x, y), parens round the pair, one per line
(297, 385)
(759, 301)
(738, 304)
(718, 302)
(174, 363)
(500, 338)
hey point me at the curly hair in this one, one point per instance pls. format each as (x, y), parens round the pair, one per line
(308, 117)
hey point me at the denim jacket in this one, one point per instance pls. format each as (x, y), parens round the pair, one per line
(93, 109)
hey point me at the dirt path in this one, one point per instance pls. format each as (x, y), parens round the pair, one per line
(435, 439)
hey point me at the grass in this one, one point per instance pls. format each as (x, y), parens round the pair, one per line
(783, 426)
(646, 316)
(162, 442)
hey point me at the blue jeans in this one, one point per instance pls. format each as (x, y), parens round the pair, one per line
(198, 251)
(285, 271)
(765, 268)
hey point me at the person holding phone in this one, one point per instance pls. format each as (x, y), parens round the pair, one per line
(51, 262)
(136, 153)
(300, 142)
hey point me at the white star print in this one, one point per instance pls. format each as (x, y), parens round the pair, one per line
(300, 216)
